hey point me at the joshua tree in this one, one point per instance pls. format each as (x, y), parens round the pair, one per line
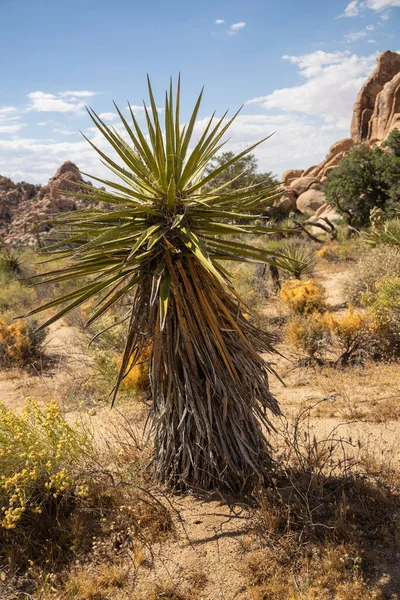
(163, 245)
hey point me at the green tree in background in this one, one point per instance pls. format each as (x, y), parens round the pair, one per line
(241, 173)
(364, 179)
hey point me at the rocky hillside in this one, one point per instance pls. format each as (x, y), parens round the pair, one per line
(26, 210)
(376, 113)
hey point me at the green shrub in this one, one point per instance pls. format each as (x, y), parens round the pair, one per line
(364, 179)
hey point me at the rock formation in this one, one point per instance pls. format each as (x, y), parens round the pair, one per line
(377, 108)
(376, 113)
(26, 210)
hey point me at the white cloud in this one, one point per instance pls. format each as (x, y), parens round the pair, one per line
(10, 120)
(355, 7)
(64, 131)
(236, 27)
(371, 41)
(333, 81)
(370, 27)
(109, 116)
(353, 37)
(219, 21)
(11, 128)
(44, 102)
(5, 111)
(47, 123)
(78, 94)
(297, 141)
(351, 10)
(379, 5)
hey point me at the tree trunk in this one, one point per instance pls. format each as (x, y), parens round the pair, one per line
(209, 384)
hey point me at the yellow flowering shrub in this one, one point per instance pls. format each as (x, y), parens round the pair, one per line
(39, 457)
(303, 297)
(18, 346)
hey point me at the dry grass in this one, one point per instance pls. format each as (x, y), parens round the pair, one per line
(333, 573)
(99, 583)
(321, 529)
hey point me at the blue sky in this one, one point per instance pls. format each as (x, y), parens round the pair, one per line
(296, 65)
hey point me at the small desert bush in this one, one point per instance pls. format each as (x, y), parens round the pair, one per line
(383, 303)
(303, 297)
(10, 262)
(382, 261)
(15, 297)
(20, 344)
(308, 333)
(341, 337)
(350, 332)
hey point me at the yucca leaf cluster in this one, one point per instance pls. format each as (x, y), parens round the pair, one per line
(159, 239)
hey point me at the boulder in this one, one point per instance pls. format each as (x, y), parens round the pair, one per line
(302, 184)
(341, 146)
(287, 201)
(365, 109)
(310, 171)
(288, 176)
(309, 202)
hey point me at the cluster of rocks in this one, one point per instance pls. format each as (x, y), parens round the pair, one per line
(26, 210)
(376, 113)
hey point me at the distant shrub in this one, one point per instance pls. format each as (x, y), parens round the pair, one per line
(383, 303)
(336, 252)
(382, 261)
(14, 297)
(350, 332)
(303, 297)
(308, 333)
(341, 336)
(10, 262)
(19, 345)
